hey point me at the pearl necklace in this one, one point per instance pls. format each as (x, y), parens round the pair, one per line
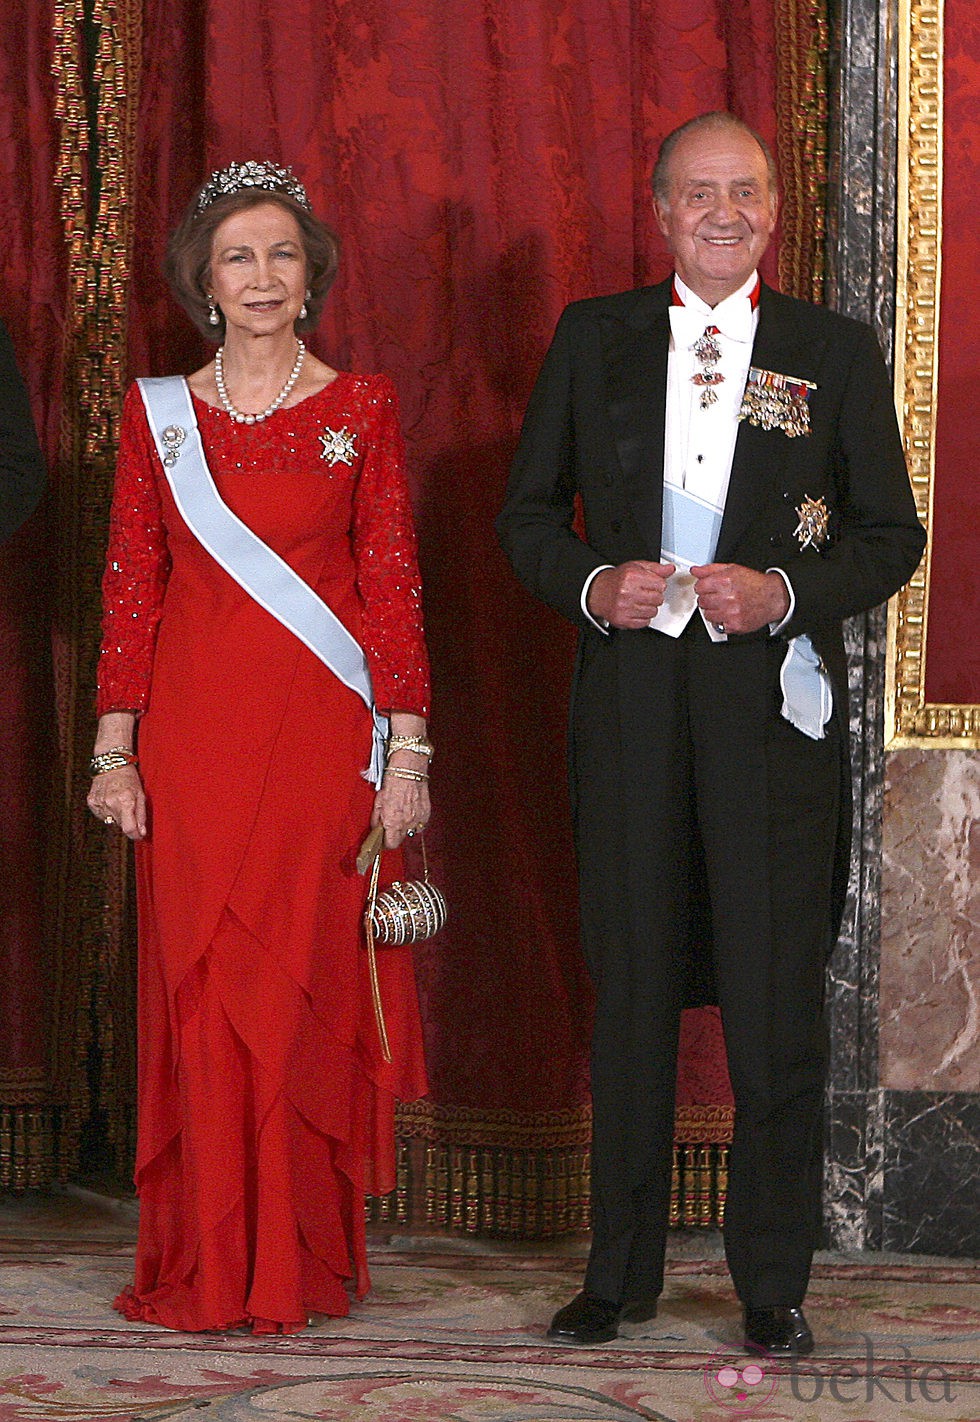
(239, 416)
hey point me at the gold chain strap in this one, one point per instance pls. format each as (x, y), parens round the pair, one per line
(372, 900)
(409, 911)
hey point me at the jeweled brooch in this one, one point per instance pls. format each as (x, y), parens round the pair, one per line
(339, 446)
(707, 352)
(814, 516)
(171, 439)
(777, 402)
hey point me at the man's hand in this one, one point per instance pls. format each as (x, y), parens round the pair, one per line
(628, 596)
(738, 599)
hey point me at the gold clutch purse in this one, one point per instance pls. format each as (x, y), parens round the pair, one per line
(408, 911)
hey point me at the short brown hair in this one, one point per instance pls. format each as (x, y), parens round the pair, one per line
(188, 260)
(718, 118)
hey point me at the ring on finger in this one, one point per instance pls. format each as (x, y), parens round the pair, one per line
(108, 820)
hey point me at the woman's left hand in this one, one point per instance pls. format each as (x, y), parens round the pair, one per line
(402, 806)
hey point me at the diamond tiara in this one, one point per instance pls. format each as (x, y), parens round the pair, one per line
(268, 176)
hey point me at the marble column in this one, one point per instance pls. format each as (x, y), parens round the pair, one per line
(904, 989)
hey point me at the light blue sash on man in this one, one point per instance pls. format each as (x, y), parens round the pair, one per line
(253, 564)
(690, 527)
(690, 537)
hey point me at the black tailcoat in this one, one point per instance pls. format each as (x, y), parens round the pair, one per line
(700, 815)
(22, 473)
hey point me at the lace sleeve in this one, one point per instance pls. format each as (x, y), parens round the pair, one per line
(387, 567)
(136, 571)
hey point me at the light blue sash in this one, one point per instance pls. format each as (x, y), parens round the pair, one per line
(807, 696)
(690, 533)
(690, 528)
(253, 564)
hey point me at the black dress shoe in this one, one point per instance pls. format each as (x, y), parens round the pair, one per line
(777, 1331)
(588, 1319)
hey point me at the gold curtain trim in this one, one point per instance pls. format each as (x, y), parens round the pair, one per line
(27, 1139)
(500, 1192)
(544, 1130)
(510, 1130)
(511, 1174)
(802, 50)
(910, 720)
(22, 1086)
(87, 889)
(711, 1125)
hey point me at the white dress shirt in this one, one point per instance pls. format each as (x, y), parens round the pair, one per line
(699, 444)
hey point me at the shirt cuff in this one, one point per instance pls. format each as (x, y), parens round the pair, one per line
(776, 627)
(598, 622)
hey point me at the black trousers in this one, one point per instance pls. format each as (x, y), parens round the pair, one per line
(700, 811)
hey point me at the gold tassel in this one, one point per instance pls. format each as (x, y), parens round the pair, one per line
(403, 1181)
(690, 1206)
(518, 1166)
(548, 1198)
(503, 1191)
(675, 1189)
(704, 1174)
(486, 1190)
(561, 1194)
(721, 1193)
(472, 1192)
(457, 1195)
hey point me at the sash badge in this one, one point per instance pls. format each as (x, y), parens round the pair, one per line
(339, 446)
(814, 516)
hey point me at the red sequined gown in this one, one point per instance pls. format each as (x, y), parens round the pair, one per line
(265, 1105)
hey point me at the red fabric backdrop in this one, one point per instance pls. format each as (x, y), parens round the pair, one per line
(32, 299)
(952, 644)
(484, 165)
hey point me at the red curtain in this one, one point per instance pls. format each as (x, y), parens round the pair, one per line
(32, 289)
(952, 650)
(484, 164)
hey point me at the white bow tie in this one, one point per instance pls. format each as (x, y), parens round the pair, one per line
(733, 319)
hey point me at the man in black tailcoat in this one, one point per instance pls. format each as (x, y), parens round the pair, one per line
(744, 490)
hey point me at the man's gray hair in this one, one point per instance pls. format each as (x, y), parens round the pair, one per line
(718, 118)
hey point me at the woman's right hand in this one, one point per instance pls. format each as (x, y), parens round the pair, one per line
(117, 798)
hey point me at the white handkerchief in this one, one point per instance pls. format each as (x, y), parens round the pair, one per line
(679, 605)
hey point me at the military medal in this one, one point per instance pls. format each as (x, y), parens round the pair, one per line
(339, 446)
(708, 352)
(814, 516)
(777, 402)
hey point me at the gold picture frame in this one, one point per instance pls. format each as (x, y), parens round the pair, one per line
(910, 720)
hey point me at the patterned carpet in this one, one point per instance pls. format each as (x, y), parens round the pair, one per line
(455, 1333)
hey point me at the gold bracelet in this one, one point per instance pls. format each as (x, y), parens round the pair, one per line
(400, 772)
(418, 744)
(114, 759)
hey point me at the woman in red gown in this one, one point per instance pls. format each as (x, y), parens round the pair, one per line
(265, 1103)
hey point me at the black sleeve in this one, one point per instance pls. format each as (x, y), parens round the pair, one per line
(22, 473)
(880, 540)
(535, 526)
